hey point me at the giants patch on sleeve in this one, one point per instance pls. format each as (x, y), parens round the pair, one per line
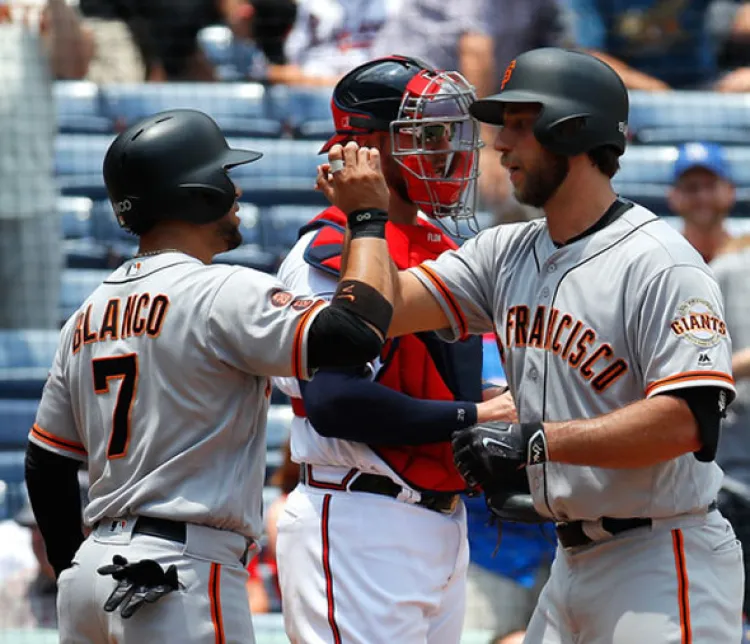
(697, 322)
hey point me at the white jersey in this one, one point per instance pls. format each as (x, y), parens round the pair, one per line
(623, 314)
(307, 446)
(161, 383)
(331, 37)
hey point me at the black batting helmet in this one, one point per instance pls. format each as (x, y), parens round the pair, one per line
(171, 166)
(567, 85)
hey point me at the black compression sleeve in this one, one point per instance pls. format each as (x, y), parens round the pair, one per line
(345, 405)
(52, 482)
(338, 338)
(708, 405)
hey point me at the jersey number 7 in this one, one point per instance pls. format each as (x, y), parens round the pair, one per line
(125, 369)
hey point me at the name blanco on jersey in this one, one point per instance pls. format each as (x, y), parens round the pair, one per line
(569, 339)
(140, 314)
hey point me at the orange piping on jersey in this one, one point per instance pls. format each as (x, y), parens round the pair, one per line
(298, 369)
(688, 376)
(325, 517)
(56, 441)
(214, 597)
(683, 597)
(448, 296)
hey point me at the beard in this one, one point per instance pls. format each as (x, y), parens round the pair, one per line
(541, 184)
(230, 234)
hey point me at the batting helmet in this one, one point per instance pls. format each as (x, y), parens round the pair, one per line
(171, 166)
(567, 85)
(434, 140)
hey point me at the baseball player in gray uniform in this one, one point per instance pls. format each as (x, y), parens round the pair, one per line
(612, 335)
(161, 387)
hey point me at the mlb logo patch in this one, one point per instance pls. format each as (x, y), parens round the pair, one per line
(133, 269)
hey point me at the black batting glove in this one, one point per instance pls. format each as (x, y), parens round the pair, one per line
(140, 582)
(493, 454)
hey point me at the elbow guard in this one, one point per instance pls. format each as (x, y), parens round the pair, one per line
(339, 338)
(708, 405)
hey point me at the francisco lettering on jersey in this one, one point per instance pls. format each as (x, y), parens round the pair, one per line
(569, 339)
(140, 314)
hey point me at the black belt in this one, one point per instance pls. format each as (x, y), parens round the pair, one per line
(165, 529)
(443, 502)
(571, 534)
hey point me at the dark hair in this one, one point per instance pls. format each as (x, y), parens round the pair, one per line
(606, 158)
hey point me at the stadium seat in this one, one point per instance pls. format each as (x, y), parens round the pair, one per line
(80, 109)
(76, 216)
(250, 256)
(77, 285)
(653, 164)
(673, 117)
(78, 164)
(25, 360)
(12, 463)
(233, 59)
(89, 253)
(280, 225)
(305, 110)
(285, 174)
(240, 109)
(16, 418)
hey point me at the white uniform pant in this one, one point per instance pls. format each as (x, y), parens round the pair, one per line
(211, 605)
(679, 582)
(361, 568)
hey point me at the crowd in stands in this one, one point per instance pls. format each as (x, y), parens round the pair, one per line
(57, 57)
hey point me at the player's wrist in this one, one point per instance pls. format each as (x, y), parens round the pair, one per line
(537, 450)
(367, 222)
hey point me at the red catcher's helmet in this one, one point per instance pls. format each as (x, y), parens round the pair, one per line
(433, 137)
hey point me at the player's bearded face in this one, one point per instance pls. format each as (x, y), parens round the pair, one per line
(228, 229)
(540, 180)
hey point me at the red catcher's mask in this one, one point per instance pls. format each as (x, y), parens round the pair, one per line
(436, 143)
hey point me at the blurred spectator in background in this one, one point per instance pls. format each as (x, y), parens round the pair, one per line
(331, 37)
(155, 40)
(28, 598)
(31, 257)
(479, 38)
(263, 585)
(504, 581)
(732, 270)
(703, 195)
(657, 44)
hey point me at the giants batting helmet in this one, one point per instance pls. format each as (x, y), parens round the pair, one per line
(568, 85)
(171, 166)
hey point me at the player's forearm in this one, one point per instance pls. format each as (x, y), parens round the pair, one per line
(741, 364)
(640, 435)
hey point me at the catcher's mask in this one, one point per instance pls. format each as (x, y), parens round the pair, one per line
(434, 140)
(436, 143)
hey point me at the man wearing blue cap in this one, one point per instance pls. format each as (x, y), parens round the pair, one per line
(703, 195)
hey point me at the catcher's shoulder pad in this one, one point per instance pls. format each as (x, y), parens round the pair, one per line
(325, 249)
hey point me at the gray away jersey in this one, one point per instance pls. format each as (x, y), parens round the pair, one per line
(161, 383)
(620, 315)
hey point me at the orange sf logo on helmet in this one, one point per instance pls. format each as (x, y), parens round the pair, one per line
(508, 73)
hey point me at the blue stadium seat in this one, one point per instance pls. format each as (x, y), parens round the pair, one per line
(80, 109)
(78, 164)
(233, 59)
(239, 108)
(669, 117)
(281, 224)
(12, 465)
(89, 253)
(285, 174)
(27, 348)
(77, 285)
(76, 216)
(653, 164)
(250, 256)
(16, 419)
(305, 110)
